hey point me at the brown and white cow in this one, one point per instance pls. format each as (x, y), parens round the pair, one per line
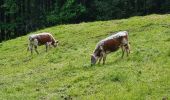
(111, 44)
(36, 40)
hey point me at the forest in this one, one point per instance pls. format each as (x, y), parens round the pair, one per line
(19, 17)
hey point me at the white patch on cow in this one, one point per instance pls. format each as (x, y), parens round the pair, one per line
(124, 41)
(44, 33)
(114, 36)
(121, 33)
(32, 36)
(35, 42)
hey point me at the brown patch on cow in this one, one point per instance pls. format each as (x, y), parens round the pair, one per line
(42, 39)
(111, 45)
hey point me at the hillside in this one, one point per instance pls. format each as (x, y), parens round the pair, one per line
(65, 72)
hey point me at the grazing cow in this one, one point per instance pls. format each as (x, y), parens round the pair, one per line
(111, 44)
(36, 40)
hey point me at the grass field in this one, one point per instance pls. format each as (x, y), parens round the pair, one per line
(65, 72)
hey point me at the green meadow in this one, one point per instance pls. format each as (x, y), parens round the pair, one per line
(64, 73)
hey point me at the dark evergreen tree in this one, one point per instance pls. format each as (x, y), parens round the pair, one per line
(18, 17)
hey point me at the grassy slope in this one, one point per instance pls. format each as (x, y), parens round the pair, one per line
(65, 71)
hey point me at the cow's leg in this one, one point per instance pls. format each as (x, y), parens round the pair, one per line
(127, 48)
(46, 46)
(103, 53)
(127, 52)
(36, 49)
(31, 49)
(100, 58)
(36, 45)
(104, 59)
(123, 50)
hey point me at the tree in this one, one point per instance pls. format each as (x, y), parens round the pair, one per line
(18, 17)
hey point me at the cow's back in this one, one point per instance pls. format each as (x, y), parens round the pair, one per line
(113, 42)
(111, 45)
(108, 45)
(43, 38)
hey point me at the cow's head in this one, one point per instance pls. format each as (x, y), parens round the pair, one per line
(55, 44)
(93, 59)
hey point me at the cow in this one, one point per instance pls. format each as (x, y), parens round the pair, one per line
(110, 44)
(36, 40)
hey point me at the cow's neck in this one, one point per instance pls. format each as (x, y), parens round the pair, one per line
(53, 41)
(97, 53)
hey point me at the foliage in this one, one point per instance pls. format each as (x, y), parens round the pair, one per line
(18, 17)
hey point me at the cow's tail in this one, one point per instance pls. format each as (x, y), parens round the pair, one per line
(29, 43)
